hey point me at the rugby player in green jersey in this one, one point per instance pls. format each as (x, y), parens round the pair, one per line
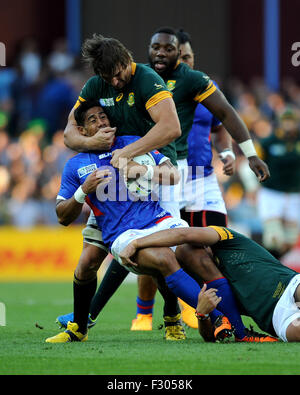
(281, 151)
(189, 87)
(265, 290)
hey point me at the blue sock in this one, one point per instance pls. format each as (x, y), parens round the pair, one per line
(144, 306)
(187, 289)
(228, 305)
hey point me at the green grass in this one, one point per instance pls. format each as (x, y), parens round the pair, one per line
(112, 349)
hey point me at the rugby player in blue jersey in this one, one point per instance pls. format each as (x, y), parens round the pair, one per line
(90, 178)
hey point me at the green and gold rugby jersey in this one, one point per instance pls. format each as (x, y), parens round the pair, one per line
(282, 156)
(189, 87)
(127, 109)
(258, 279)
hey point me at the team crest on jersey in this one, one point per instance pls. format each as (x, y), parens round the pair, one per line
(171, 84)
(131, 100)
(107, 102)
(83, 171)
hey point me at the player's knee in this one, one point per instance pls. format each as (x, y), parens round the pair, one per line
(90, 260)
(198, 261)
(159, 259)
(167, 262)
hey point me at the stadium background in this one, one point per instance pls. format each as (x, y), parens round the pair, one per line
(244, 45)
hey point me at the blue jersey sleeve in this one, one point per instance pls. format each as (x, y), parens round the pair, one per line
(69, 181)
(158, 157)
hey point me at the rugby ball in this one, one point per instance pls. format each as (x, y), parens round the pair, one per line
(141, 186)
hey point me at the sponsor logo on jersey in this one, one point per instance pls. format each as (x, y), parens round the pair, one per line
(157, 86)
(175, 225)
(106, 155)
(162, 214)
(107, 102)
(83, 171)
(171, 84)
(131, 100)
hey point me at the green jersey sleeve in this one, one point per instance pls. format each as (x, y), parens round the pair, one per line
(202, 85)
(152, 87)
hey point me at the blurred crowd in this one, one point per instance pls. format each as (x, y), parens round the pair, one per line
(36, 95)
(38, 92)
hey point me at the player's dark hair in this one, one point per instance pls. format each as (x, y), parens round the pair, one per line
(183, 36)
(166, 30)
(80, 111)
(105, 54)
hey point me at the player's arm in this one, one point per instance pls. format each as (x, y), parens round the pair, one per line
(169, 238)
(69, 209)
(166, 129)
(222, 142)
(163, 174)
(218, 105)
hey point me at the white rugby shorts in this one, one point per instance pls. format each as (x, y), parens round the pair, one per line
(132, 234)
(203, 194)
(286, 310)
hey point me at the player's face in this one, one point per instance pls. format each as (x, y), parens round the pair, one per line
(95, 119)
(290, 127)
(120, 77)
(186, 54)
(163, 53)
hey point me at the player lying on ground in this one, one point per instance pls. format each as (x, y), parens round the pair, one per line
(265, 290)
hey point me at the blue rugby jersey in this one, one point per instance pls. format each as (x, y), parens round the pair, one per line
(199, 141)
(115, 209)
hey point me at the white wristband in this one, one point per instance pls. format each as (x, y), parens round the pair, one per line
(149, 173)
(227, 152)
(248, 148)
(79, 195)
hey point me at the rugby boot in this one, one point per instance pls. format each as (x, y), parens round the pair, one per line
(222, 328)
(188, 315)
(63, 320)
(174, 329)
(142, 322)
(256, 337)
(69, 335)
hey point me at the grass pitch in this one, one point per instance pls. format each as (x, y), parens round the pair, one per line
(112, 349)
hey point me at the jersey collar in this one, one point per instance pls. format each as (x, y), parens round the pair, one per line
(133, 68)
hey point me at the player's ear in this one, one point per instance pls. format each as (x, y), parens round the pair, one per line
(82, 131)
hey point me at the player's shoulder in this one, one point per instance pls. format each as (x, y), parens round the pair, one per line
(93, 84)
(80, 159)
(145, 71)
(122, 141)
(185, 70)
